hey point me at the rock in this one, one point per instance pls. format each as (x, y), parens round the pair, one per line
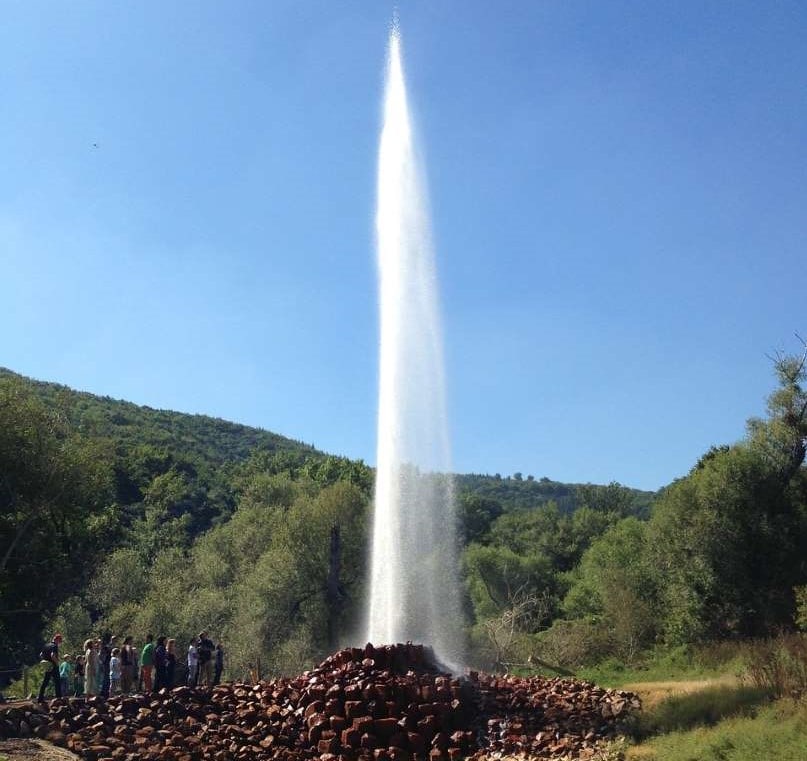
(372, 704)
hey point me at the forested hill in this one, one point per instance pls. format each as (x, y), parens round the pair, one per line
(519, 492)
(125, 519)
(122, 499)
(211, 440)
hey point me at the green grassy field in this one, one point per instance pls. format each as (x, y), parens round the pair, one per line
(775, 731)
(705, 706)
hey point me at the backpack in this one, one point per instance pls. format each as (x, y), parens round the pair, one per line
(46, 654)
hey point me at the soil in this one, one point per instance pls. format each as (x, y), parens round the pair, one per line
(33, 750)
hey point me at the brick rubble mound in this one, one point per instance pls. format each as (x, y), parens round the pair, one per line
(373, 704)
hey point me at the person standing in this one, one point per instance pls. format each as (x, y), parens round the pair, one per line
(105, 656)
(136, 680)
(147, 662)
(99, 667)
(126, 665)
(205, 660)
(219, 666)
(78, 676)
(50, 655)
(66, 673)
(115, 672)
(193, 664)
(90, 667)
(170, 662)
(159, 664)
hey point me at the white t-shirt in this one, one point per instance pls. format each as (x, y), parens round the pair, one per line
(193, 656)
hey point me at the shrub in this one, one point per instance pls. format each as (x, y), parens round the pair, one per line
(801, 607)
(719, 655)
(778, 665)
(16, 689)
(572, 644)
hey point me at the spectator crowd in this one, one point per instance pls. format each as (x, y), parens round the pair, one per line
(107, 666)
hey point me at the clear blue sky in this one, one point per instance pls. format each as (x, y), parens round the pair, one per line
(619, 193)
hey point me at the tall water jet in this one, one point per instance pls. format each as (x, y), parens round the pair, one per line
(414, 576)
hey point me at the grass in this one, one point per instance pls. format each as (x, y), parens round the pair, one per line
(744, 713)
(773, 731)
(678, 664)
(700, 707)
(729, 702)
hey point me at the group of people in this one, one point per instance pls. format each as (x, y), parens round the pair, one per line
(107, 667)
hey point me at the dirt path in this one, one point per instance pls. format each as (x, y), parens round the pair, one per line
(653, 693)
(33, 750)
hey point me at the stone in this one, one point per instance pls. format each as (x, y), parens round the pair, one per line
(386, 704)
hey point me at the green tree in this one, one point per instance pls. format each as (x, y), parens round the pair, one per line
(497, 578)
(476, 514)
(55, 488)
(614, 587)
(782, 438)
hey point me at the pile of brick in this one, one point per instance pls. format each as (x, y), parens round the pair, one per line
(549, 718)
(373, 704)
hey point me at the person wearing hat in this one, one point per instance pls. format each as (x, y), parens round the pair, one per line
(50, 655)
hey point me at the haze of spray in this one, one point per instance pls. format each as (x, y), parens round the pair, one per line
(414, 577)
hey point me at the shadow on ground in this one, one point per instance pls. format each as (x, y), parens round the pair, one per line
(703, 707)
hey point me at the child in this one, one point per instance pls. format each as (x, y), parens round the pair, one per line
(78, 677)
(115, 672)
(66, 673)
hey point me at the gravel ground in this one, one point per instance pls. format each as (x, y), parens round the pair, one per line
(33, 750)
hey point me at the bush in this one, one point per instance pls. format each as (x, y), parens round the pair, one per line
(778, 665)
(572, 644)
(36, 674)
(801, 607)
(720, 655)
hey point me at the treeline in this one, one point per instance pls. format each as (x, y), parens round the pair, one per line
(722, 555)
(121, 518)
(106, 508)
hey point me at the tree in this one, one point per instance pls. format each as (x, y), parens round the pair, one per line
(611, 499)
(282, 598)
(614, 587)
(503, 631)
(728, 542)
(476, 514)
(498, 578)
(782, 439)
(55, 489)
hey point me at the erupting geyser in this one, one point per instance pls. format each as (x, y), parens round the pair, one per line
(414, 578)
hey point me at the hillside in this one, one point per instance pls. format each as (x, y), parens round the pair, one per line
(104, 490)
(519, 493)
(213, 442)
(120, 518)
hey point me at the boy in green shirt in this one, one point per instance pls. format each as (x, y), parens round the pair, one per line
(147, 662)
(66, 673)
